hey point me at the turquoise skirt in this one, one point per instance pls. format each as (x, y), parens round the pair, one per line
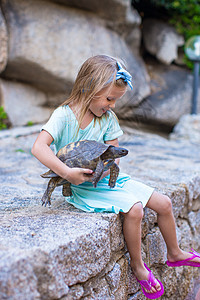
(121, 198)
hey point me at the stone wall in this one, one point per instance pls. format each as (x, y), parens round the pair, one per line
(63, 253)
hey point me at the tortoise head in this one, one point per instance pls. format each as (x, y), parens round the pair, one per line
(114, 152)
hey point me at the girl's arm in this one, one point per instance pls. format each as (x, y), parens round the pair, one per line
(42, 151)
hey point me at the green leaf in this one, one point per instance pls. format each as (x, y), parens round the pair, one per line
(30, 123)
(3, 116)
(20, 150)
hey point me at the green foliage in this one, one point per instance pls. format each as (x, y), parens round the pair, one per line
(3, 117)
(20, 150)
(184, 15)
(30, 123)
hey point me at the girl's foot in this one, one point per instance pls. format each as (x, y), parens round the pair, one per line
(142, 274)
(183, 258)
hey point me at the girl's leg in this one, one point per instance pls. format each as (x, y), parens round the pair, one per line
(132, 235)
(163, 206)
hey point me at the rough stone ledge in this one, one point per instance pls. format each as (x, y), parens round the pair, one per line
(63, 253)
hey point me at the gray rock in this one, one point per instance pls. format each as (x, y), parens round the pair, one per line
(122, 291)
(187, 129)
(194, 219)
(156, 248)
(23, 103)
(150, 154)
(161, 40)
(100, 291)
(116, 237)
(76, 292)
(20, 131)
(171, 278)
(180, 200)
(133, 285)
(137, 296)
(117, 11)
(30, 268)
(133, 39)
(170, 99)
(113, 277)
(4, 43)
(117, 279)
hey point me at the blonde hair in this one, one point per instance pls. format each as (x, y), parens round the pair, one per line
(96, 73)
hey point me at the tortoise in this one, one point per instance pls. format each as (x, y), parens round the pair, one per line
(89, 154)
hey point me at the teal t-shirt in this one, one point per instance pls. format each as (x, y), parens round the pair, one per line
(63, 126)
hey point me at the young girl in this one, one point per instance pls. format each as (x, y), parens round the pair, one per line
(87, 114)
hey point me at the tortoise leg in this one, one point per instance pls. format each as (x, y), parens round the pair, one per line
(98, 172)
(114, 172)
(66, 191)
(53, 182)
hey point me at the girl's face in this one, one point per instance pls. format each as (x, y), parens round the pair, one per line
(106, 99)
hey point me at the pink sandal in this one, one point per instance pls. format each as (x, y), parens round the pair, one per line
(185, 262)
(148, 284)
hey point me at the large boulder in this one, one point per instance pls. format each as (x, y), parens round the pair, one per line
(161, 40)
(188, 129)
(3, 43)
(170, 99)
(117, 11)
(49, 42)
(23, 103)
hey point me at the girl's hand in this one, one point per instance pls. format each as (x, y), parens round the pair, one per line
(78, 175)
(42, 151)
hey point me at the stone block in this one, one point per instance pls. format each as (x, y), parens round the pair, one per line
(169, 101)
(187, 129)
(133, 285)
(23, 103)
(194, 221)
(118, 280)
(17, 278)
(113, 277)
(155, 247)
(100, 290)
(184, 234)
(75, 292)
(169, 280)
(161, 40)
(180, 201)
(116, 235)
(116, 11)
(193, 191)
(65, 259)
(84, 35)
(138, 296)
(148, 222)
(4, 43)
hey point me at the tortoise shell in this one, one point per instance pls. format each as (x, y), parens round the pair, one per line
(79, 154)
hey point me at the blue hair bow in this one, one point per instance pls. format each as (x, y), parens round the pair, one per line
(125, 75)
